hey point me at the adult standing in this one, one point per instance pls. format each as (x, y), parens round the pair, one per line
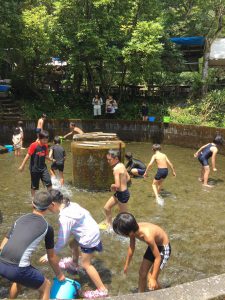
(111, 107)
(97, 103)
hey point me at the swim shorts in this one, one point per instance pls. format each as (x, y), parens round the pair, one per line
(141, 172)
(122, 197)
(26, 276)
(43, 176)
(56, 166)
(97, 248)
(161, 173)
(164, 251)
(203, 160)
(38, 130)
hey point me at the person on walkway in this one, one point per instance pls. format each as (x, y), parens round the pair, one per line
(157, 253)
(144, 111)
(74, 130)
(121, 193)
(21, 242)
(162, 162)
(134, 167)
(97, 103)
(76, 221)
(37, 153)
(203, 154)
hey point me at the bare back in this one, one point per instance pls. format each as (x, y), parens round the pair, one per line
(161, 160)
(149, 232)
(120, 174)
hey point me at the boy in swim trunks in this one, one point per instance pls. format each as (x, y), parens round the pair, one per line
(203, 154)
(121, 192)
(162, 162)
(156, 255)
(74, 130)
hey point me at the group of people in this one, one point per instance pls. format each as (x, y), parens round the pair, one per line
(28, 231)
(111, 106)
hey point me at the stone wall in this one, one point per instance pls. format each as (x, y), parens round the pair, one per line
(176, 134)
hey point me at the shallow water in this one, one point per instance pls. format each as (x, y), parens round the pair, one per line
(193, 217)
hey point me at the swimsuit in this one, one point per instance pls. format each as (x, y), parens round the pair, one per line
(38, 130)
(162, 173)
(164, 251)
(123, 196)
(205, 155)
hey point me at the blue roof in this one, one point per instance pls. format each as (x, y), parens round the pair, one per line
(191, 40)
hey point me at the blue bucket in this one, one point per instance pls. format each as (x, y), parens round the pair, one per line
(68, 289)
(9, 147)
(151, 119)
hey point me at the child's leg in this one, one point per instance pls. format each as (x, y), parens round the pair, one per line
(155, 187)
(108, 209)
(52, 172)
(206, 176)
(201, 178)
(122, 207)
(160, 182)
(61, 178)
(44, 290)
(143, 275)
(91, 271)
(14, 290)
(74, 246)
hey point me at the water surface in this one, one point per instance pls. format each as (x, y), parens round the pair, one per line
(193, 217)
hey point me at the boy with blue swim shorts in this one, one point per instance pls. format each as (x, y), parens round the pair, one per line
(162, 162)
(119, 187)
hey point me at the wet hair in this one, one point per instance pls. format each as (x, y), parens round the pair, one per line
(124, 224)
(72, 124)
(129, 155)
(42, 200)
(58, 197)
(156, 147)
(44, 116)
(43, 135)
(57, 140)
(20, 123)
(16, 130)
(218, 140)
(114, 153)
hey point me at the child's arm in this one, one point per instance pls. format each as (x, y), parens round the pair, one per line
(199, 150)
(115, 186)
(68, 134)
(156, 264)
(21, 168)
(4, 241)
(149, 165)
(214, 159)
(171, 166)
(129, 254)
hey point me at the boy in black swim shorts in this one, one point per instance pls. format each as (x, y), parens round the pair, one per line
(58, 154)
(157, 253)
(121, 192)
(162, 162)
(37, 153)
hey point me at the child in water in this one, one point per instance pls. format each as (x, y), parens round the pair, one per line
(203, 154)
(162, 162)
(58, 154)
(156, 255)
(17, 141)
(76, 221)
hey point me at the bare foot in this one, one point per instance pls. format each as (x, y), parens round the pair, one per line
(207, 185)
(200, 179)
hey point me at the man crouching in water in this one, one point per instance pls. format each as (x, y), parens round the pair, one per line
(121, 178)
